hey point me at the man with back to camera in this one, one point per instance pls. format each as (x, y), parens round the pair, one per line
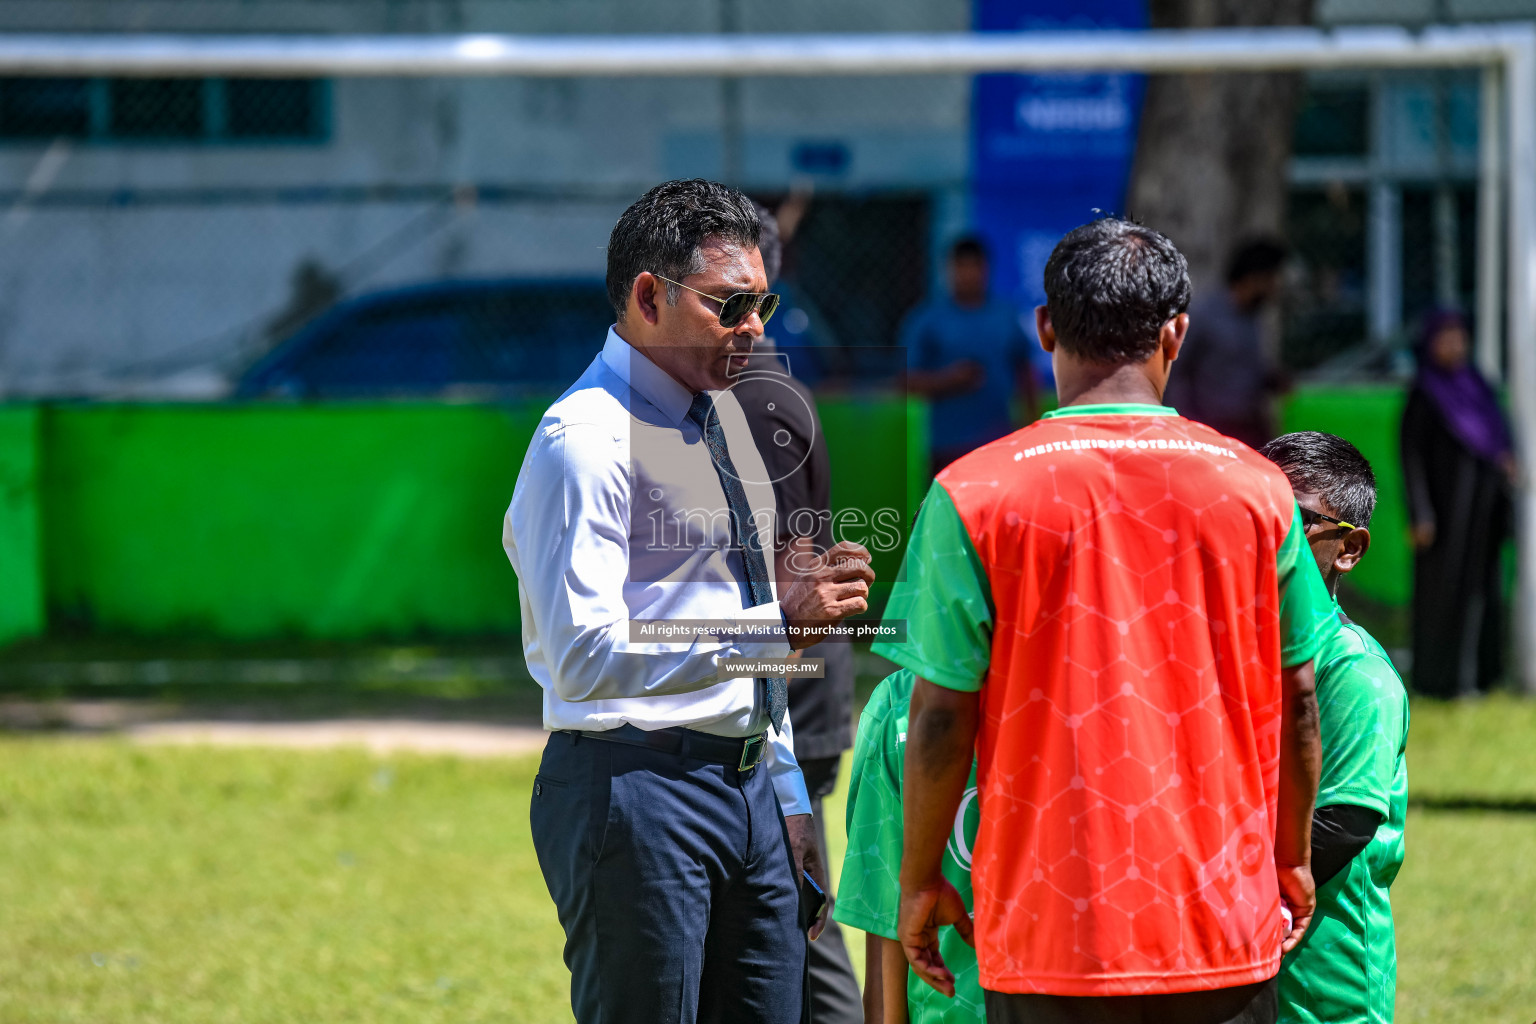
(1344, 971)
(669, 816)
(1225, 378)
(967, 354)
(1115, 609)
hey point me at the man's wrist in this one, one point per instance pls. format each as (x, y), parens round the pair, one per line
(798, 639)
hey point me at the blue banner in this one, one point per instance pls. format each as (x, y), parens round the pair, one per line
(1047, 151)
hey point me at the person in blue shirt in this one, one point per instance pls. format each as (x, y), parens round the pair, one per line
(967, 354)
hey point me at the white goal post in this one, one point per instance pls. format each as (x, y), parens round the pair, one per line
(1505, 52)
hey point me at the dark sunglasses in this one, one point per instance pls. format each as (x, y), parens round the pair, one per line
(739, 306)
(1309, 519)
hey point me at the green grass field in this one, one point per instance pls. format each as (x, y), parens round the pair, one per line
(187, 885)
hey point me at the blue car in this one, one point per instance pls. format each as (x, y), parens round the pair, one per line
(497, 338)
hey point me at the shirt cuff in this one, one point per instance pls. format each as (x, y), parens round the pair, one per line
(766, 620)
(789, 787)
(1358, 796)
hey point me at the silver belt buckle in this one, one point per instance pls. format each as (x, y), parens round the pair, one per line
(752, 753)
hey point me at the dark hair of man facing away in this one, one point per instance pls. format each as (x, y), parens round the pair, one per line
(662, 231)
(1256, 256)
(1329, 467)
(968, 247)
(1110, 286)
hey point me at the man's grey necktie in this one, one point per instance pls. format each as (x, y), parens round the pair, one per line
(743, 534)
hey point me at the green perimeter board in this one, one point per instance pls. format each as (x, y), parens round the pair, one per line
(362, 520)
(1368, 417)
(21, 576)
(878, 451)
(328, 521)
(332, 521)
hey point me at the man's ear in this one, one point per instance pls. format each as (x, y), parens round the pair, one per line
(1044, 329)
(646, 295)
(1356, 543)
(1171, 338)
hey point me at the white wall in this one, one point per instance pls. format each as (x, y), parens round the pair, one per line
(130, 262)
(121, 263)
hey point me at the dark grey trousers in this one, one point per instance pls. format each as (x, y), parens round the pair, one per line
(674, 883)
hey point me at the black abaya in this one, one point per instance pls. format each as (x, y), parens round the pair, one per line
(1458, 592)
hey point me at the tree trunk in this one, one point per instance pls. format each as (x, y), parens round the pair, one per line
(1211, 158)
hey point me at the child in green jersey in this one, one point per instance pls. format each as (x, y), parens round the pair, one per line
(869, 890)
(1345, 969)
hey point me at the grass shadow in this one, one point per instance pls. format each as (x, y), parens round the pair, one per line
(1465, 802)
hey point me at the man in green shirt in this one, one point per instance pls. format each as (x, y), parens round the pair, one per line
(869, 891)
(1344, 970)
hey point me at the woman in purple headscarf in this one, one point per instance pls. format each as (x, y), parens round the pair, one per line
(1457, 468)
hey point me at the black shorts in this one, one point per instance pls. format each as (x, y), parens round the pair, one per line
(1247, 1004)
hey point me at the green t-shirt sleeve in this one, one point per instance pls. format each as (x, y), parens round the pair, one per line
(869, 889)
(1362, 710)
(946, 600)
(1307, 613)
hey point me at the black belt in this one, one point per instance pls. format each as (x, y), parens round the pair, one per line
(741, 754)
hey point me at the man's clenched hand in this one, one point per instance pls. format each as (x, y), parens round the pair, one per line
(836, 587)
(1299, 896)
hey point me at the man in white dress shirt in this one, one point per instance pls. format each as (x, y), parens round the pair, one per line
(669, 816)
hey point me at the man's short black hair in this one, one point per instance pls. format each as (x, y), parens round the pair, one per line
(1110, 286)
(1256, 256)
(1329, 467)
(968, 247)
(663, 230)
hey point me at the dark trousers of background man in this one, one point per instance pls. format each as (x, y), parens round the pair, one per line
(674, 883)
(834, 989)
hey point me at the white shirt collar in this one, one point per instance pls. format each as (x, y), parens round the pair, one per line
(652, 383)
